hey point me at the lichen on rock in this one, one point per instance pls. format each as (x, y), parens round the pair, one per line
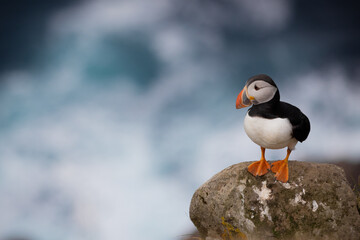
(316, 203)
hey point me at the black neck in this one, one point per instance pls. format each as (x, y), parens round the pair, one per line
(266, 109)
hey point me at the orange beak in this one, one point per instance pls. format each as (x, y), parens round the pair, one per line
(242, 100)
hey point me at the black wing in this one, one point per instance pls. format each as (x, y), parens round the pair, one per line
(299, 121)
(301, 131)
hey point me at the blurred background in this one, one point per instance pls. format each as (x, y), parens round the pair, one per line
(112, 113)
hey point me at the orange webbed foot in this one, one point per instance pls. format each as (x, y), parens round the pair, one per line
(259, 168)
(281, 170)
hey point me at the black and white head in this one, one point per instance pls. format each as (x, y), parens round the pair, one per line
(258, 89)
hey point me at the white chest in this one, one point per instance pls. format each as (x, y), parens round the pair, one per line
(270, 133)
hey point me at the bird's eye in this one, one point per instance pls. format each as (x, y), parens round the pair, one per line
(256, 87)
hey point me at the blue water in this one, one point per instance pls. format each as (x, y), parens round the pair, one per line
(130, 106)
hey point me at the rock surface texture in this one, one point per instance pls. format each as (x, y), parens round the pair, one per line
(316, 203)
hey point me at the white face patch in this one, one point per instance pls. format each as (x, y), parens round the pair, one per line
(262, 91)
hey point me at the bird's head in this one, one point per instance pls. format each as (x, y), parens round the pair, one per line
(258, 89)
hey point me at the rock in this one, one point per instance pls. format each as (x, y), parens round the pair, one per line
(352, 171)
(316, 203)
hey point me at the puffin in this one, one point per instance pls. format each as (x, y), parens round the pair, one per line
(271, 124)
